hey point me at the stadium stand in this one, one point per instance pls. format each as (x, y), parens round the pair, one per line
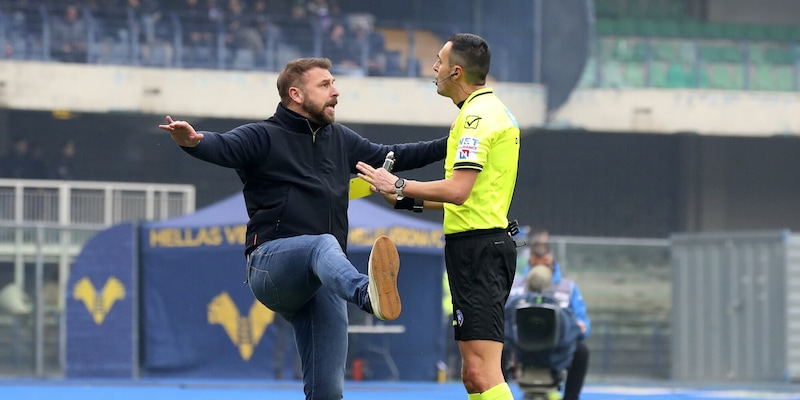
(182, 36)
(659, 43)
(414, 48)
(664, 44)
(168, 34)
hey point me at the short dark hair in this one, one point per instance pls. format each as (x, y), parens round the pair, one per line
(292, 74)
(472, 53)
(539, 248)
(537, 230)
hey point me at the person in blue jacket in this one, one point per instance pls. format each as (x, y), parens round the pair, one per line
(559, 357)
(567, 294)
(295, 168)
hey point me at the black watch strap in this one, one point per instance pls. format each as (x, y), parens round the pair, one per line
(419, 205)
(409, 203)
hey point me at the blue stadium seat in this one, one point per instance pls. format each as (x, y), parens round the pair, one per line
(159, 55)
(687, 52)
(589, 75)
(393, 63)
(773, 78)
(605, 27)
(724, 76)
(664, 50)
(612, 74)
(244, 59)
(634, 75)
(19, 48)
(783, 55)
(201, 57)
(762, 78)
(658, 74)
(678, 77)
(120, 53)
(787, 78)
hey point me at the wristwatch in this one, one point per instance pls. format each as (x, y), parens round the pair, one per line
(399, 185)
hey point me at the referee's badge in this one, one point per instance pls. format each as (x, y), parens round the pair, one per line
(468, 148)
(471, 122)
(459, 318)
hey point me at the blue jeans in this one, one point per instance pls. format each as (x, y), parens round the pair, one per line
(308, 280)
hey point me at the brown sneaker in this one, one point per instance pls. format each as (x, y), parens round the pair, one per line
(384, 264)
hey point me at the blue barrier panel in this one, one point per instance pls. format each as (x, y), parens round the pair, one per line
(200, 320)
(101, 305)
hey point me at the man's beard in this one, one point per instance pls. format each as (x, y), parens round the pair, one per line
(317, 115)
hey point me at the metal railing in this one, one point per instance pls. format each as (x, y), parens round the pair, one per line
(55, 218)
(91, 203)
(626, 284)
(36, 258)
(43, 226)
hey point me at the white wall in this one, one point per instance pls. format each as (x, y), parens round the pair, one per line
(394, 101)
(235, 94)
(668, 111)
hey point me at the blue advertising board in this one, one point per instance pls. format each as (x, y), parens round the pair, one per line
(101, 306)
(197, 318)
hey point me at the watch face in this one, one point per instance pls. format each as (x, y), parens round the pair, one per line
(400, 183)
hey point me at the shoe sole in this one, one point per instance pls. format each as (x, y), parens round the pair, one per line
(383, 266)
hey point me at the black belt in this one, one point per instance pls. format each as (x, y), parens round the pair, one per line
(474, 233)
(512, 230)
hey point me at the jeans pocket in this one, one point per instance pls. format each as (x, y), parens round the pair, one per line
(263, 288)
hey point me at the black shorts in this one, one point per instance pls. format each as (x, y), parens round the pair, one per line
(480, 269)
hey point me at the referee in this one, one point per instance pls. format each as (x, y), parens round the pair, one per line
(476, 192)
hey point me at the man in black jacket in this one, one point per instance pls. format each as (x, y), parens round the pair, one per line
(295, 167)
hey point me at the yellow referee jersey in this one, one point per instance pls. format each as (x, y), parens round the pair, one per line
(484, 137)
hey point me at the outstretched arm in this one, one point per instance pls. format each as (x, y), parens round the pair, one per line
(236, 148)
(455, 190)
(408, 155)
(182, 133)
(391, 198)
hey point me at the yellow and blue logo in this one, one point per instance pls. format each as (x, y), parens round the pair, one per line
(244, 331)
(98, 303)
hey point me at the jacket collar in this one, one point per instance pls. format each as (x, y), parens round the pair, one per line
(294, 121)
(484, 90)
